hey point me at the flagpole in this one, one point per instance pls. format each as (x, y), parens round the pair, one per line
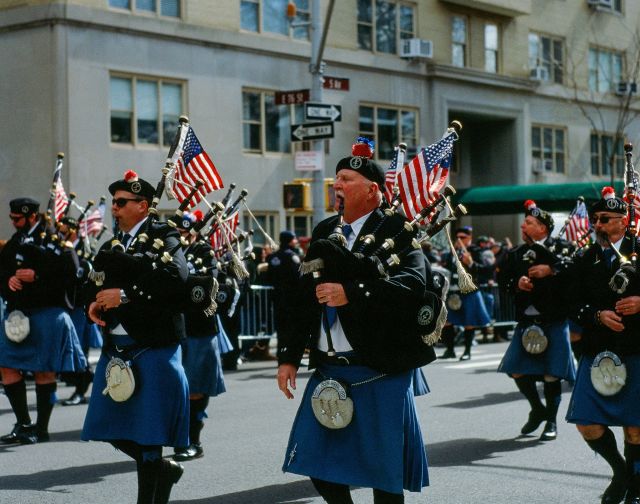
(52, 192)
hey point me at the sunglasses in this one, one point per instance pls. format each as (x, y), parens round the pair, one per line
(121, 202)
(15, 218)
(604, 219)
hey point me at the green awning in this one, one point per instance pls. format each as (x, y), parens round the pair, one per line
(493, 200)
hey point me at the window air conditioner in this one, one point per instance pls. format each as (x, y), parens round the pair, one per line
(416, 48)
(539, 73)
(596, 4)
(626, 88)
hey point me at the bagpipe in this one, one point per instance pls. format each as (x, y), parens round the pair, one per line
(329, 260)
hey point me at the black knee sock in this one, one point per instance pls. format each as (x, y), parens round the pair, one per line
(607, 448)
(448, 337)
(552, 396)
(17, 395)
(45, 399)
(381, 497)
(196, 415)
(127, 447)
(84, 380)
(332, 493)
(632, 457)
(527, 385)
(468, 339)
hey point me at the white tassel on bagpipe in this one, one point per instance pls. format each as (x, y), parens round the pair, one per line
(270, 240)
(465, 282)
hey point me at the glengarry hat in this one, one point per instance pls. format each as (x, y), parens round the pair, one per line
(133, 184)
(609, 202)
(361, 162)
(530, 208)
(24, 206)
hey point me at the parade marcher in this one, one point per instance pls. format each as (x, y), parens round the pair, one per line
(535, 274)
(139, 309)
(36, 278)
(466, 310)
(606, 303)
(88, 333)
(282, 273)
(364, 345)
(200, 349)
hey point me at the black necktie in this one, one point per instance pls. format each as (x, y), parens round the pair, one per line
(608, 256)
(124, 238)
(347, 230)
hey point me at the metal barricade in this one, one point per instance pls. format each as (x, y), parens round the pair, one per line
(504, 311)
(256, 313)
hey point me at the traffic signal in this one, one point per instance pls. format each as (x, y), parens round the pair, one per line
(329, 195)
(296, 196)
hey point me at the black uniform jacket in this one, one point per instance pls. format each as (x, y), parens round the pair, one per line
(479, 270)
(590, 292)
(153, 315)
(55, 266)
(549, 294)
(373, 319)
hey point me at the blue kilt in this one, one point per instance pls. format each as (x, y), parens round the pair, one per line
(52, 344)
(157, 414)
(419, 383)
(588, 407)
(381, 448)
(556, 360)
(202, 365)
(224, 343)
(88, 333)
(473, 312)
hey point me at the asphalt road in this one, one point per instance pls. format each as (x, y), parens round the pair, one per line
(471, 422)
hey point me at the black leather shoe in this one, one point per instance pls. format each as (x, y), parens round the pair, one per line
(632, 500)
(74, 400)
(170, 474)
(448, 354)
(193, 451)
(29, 436)
(615, 492)
(550, 432)
(16, 433)
(465, 356)
(536, 417)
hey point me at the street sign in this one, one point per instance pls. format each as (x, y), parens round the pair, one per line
(311, 131)
(292, 97)
(322, 111)
(309, 160)
(335, 83)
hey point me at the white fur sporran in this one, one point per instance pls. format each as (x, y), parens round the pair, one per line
(120, 381)
(608, 373)
(331, 405)
(17, 326)
(454, 301)
(534, 340)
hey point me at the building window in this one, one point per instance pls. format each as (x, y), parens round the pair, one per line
(388, 126)
(606, 153)
(145, 111)
(546, 57)
(458, 41)
(548, 150)
(267, 221)
(169, 8)
(382, 24)
(300, 224)
(266, 127)
(491, 45)
(605, 70)
(270, 16)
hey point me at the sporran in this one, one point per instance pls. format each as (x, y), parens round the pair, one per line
(608, 373)
(331, 404)
(120, 381)
(534, 340)
(454, 301)
(16, 326)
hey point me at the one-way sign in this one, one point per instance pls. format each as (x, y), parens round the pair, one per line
(311, 131)
(322, 111)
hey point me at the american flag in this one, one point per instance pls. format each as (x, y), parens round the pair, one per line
(228, 227)
(578, 224)
(390, 177)
(92, 225)
(61, 202)
(420, 180)
(195, 164)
